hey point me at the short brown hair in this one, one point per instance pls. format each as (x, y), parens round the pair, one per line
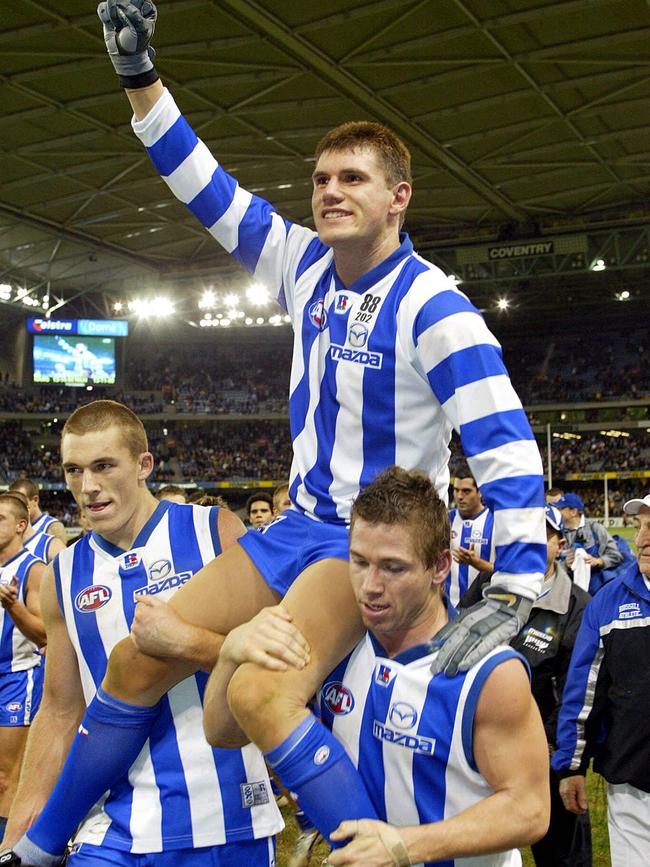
(17, 503)
(398, 496)
(25, 486)
(391, 151)
(165, 490)
(103, 414)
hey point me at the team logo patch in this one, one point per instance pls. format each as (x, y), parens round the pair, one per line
(629, 610)
(318, 315)
(160, 569)
(403, 715)
(384, 674)
(537, 640)
(338, 698)
(131, 560)
(13, 707)
(321, 755)
(92, 598)
(254, 794)
(357, 335)
(342, 302)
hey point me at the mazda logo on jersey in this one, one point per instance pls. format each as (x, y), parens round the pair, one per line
(403, 715)
(318, 314)
(160, 569)
(92, 598)
(358, 335)
(338, 698)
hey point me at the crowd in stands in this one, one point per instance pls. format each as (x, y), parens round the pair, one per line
(571, 368)
(248, 451)
(252, 377)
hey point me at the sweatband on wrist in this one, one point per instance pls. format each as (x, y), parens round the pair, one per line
(135, 82)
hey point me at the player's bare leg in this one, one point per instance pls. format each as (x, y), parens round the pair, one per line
(269, 705)
(12, 747)
(226, 593)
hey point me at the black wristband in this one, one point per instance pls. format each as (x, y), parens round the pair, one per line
(135, 82)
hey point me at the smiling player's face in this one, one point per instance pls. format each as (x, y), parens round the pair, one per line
(106, 480)
(352, 201)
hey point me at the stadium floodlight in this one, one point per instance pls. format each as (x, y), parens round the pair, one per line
(231, 300)
(117, 306)
(503, 303)
(260, 320)
(161, 307)
(5, 291)
(454, 279)
(208, 300)
(258, 294)
(598, 265)
(248, 321)
(623, 296)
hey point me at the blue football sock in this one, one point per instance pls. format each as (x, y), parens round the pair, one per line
(3, 825)
(110, 737)
(314, 765)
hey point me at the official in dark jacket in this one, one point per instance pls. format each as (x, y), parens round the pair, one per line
(547, 641)
(605, 711)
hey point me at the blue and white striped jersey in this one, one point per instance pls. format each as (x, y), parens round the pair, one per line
(410, 735)
(39, 544)
(43, 522)
(180, 792)
(382, 369)
(471, 533)
(17, 653)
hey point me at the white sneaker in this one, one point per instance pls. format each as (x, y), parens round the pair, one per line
(305, 844)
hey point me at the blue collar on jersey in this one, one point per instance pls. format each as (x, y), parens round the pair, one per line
(142, 537)
(15, 557)
(412, 653)
(368, 280)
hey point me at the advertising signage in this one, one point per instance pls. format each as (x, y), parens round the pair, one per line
(83, 327)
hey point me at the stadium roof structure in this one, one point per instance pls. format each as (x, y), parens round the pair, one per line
(527, 119)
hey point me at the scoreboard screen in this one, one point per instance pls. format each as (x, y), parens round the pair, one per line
(72, 360)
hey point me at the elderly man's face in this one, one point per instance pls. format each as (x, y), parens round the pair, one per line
(642, 539)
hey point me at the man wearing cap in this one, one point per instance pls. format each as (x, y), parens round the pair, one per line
(601, 551)
(546, 643)
(605, 711)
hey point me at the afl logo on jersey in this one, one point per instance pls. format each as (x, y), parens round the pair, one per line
(318, 315)
(14, 707)
(92, 598)
(357, 335)
(338, 698)
(160, 569)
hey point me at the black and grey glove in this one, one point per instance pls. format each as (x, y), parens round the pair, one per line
(477, 630)
(128, 28)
